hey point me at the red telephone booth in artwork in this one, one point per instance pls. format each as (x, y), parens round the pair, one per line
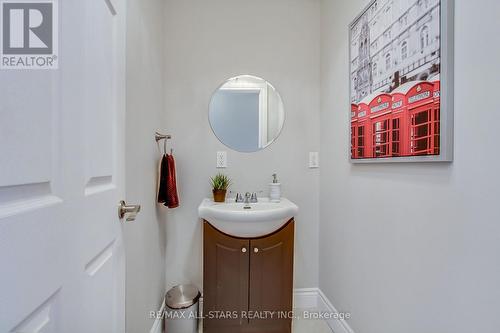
(400, 125)
(437, 106)
(354, 130)
(363, 132)
(381, 125)
(424, 120)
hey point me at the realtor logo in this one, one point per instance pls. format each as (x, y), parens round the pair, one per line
(28, 34)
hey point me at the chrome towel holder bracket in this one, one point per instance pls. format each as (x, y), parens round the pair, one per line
(165, 137)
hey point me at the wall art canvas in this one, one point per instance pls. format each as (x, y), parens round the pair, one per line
(401, 101)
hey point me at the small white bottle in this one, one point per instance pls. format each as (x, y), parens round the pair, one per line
(275, 189)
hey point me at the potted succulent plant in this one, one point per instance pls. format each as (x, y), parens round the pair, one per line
(220, 183)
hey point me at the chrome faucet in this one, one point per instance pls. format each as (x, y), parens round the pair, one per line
(248, 197)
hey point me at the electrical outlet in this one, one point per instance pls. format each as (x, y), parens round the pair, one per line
(313, 160)
(221, 159)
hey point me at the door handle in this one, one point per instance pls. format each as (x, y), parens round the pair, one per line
(130, 211)
(256, 250)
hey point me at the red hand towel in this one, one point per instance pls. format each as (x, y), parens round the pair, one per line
(162, 180)
(172, 197)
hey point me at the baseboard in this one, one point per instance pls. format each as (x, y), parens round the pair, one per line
(337, 325)
(158, 324)
(313, 298)
(303, 298)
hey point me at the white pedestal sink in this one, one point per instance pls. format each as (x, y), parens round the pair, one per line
(263, 217)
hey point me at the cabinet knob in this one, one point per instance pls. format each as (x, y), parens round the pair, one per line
(256, 250)
(244, 249)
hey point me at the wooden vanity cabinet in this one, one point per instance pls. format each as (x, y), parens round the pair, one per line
(247, 282)
(225, 278)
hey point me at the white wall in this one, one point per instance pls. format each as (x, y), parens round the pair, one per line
(206, 43)
(415, 247)
(144, 238)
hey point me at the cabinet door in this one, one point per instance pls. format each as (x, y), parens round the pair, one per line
(271, 279)
(225, 280)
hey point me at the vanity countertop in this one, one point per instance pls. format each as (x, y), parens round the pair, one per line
(262, 218)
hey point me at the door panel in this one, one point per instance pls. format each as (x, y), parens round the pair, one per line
(61, 177)
(99, 108)
(271, 278)
(27, 99)
(225, 279)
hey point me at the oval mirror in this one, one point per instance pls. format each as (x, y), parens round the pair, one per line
(246, 113)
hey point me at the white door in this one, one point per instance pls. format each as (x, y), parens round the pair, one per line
(61, 178)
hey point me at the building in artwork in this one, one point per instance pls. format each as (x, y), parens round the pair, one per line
(363, 76)
(403, 38)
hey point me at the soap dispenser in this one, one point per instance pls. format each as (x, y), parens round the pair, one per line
(275, 189)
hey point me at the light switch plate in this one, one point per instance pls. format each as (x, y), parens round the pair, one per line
(221, 159)
(313, 160)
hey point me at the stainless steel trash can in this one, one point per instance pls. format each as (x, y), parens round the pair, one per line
(181, 309)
